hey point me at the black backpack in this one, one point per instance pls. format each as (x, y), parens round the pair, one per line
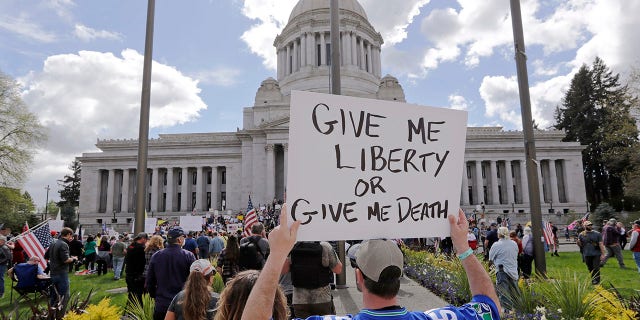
(307, 270)
(251, 256)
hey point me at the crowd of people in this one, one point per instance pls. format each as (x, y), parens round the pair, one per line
(284, 279)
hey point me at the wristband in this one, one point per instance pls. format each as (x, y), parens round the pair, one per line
(465, 254)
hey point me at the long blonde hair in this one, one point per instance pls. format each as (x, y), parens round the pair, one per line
(197, 294)
(234, 297)
(154, 244)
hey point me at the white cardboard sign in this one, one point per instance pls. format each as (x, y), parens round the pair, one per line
(191, 223)
(362, 169)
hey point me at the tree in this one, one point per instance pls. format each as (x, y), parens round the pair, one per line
(16, 209)
(632, 180)
(70, 192)
(20, 133)
(595, 112)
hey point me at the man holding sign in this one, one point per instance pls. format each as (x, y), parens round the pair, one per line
(378, 271)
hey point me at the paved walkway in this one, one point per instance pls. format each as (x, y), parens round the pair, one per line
(412, 296)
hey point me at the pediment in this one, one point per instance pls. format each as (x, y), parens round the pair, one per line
(282, 123)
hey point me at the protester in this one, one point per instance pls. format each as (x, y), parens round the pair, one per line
(378, 270)
(155, 244)
(76, 248)
(623, 235)
(527, 253)
(197, 300)
(258, 237)
(228, 260)
(5, 261)
(611, 238)
(103, 256)
(134, 261)
(58, 271)
(634, 244)
(203, 245)
(233, 298)
(491, 238)
(504, 256)
(168, 271)
(190, 244)
(556, 242)
(216, 245)
(90, 254)
(593, 250)
(118, 251)
(312, 265)
(29, 274)
(472, 240)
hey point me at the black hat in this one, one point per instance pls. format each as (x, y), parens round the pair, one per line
(141, 235)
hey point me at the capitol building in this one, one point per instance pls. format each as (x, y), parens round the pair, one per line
(201, 172)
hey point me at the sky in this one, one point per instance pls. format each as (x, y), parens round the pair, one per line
(79, 63)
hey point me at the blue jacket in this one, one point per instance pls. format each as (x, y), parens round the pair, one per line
(168, 271)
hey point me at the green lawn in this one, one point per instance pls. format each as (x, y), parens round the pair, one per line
(625, 280)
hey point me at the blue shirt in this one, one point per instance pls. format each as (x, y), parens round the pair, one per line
(480, 308)
(216, 245)
(505, 253)
(168, 271)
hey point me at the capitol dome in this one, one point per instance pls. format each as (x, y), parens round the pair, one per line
(310, 5)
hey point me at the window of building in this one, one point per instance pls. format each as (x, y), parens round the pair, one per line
(500, 194)
(179, 198)
(163, 207)
(149, 202)
(470, 194)
(498, 171)
(164, 178)
(318, 55)
(485, 194)
(328, 53)
(194, 178)
(483, 171)
(223, 177)
(209, 174)
(193, 199)
(180, 178)
(150, 177)
(468, 172)
(209, 200)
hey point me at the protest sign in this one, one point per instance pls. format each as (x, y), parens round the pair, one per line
(361, 168)
(56, 225)
(191, 223)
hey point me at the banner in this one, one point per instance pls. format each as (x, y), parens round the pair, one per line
(361, 168)
(191, 223)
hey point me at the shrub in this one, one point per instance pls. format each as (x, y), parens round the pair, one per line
(101, 311)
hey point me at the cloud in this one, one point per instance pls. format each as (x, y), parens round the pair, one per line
(458, 102)
(87, 34)
(26, 29)
(219, 76)
(392, 18)
(89, 95)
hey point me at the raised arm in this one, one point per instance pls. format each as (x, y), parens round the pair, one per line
(479, 280)
(262, 296)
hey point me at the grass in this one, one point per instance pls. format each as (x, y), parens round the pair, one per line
(627, 281)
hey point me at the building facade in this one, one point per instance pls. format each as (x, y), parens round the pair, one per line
(199, 172)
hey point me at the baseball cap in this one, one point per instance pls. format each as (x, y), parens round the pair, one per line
(175, 232)
(637, 222)
(612, 220)
(201, 265)
(141, 235)
(587, 223)
(373, 256)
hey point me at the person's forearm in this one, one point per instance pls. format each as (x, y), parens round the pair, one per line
(259, 305)
(479, 280)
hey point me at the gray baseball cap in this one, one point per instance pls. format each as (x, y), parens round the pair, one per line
(373, 256)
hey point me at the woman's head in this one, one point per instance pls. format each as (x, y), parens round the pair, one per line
(197, 289)
(234, 297)
(155, 243)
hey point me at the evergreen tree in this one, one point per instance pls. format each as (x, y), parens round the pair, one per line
(70, 192)
(595, 112)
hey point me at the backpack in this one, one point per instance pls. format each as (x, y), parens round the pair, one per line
(307, 270)
(251, 256)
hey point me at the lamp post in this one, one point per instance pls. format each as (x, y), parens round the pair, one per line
(46, 204)
(622, 205)
(513, 207)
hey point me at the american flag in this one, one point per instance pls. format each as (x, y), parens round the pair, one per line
(250, 218)
(548, 234)
(36, 241)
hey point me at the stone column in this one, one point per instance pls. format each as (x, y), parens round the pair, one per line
(555, 198)
(294, 66)
(184, 206)
(271, 171)
(495, 197)
(524, 184)
(125, 191)
(311, 48)
(279, 63)
(465, 185)
(362, 61)
(479, 184)
(111, 187)
(508, 170)
(354, 49)
(347, 47)
(154, 189)
(540, 180)
(214, 188)
(323, 51)
(370, 62)
(199, 184)
(286, 60)
(303, 49)
(170, 192)
(285, 148)
(377, 65)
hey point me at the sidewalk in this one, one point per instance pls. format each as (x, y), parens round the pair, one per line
(412, 296)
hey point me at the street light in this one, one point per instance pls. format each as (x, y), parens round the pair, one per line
(46, 204)
(622, 204)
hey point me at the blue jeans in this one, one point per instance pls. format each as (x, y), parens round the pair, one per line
(118, 262)
(60, 288)
(3, 270)
(636, 257)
